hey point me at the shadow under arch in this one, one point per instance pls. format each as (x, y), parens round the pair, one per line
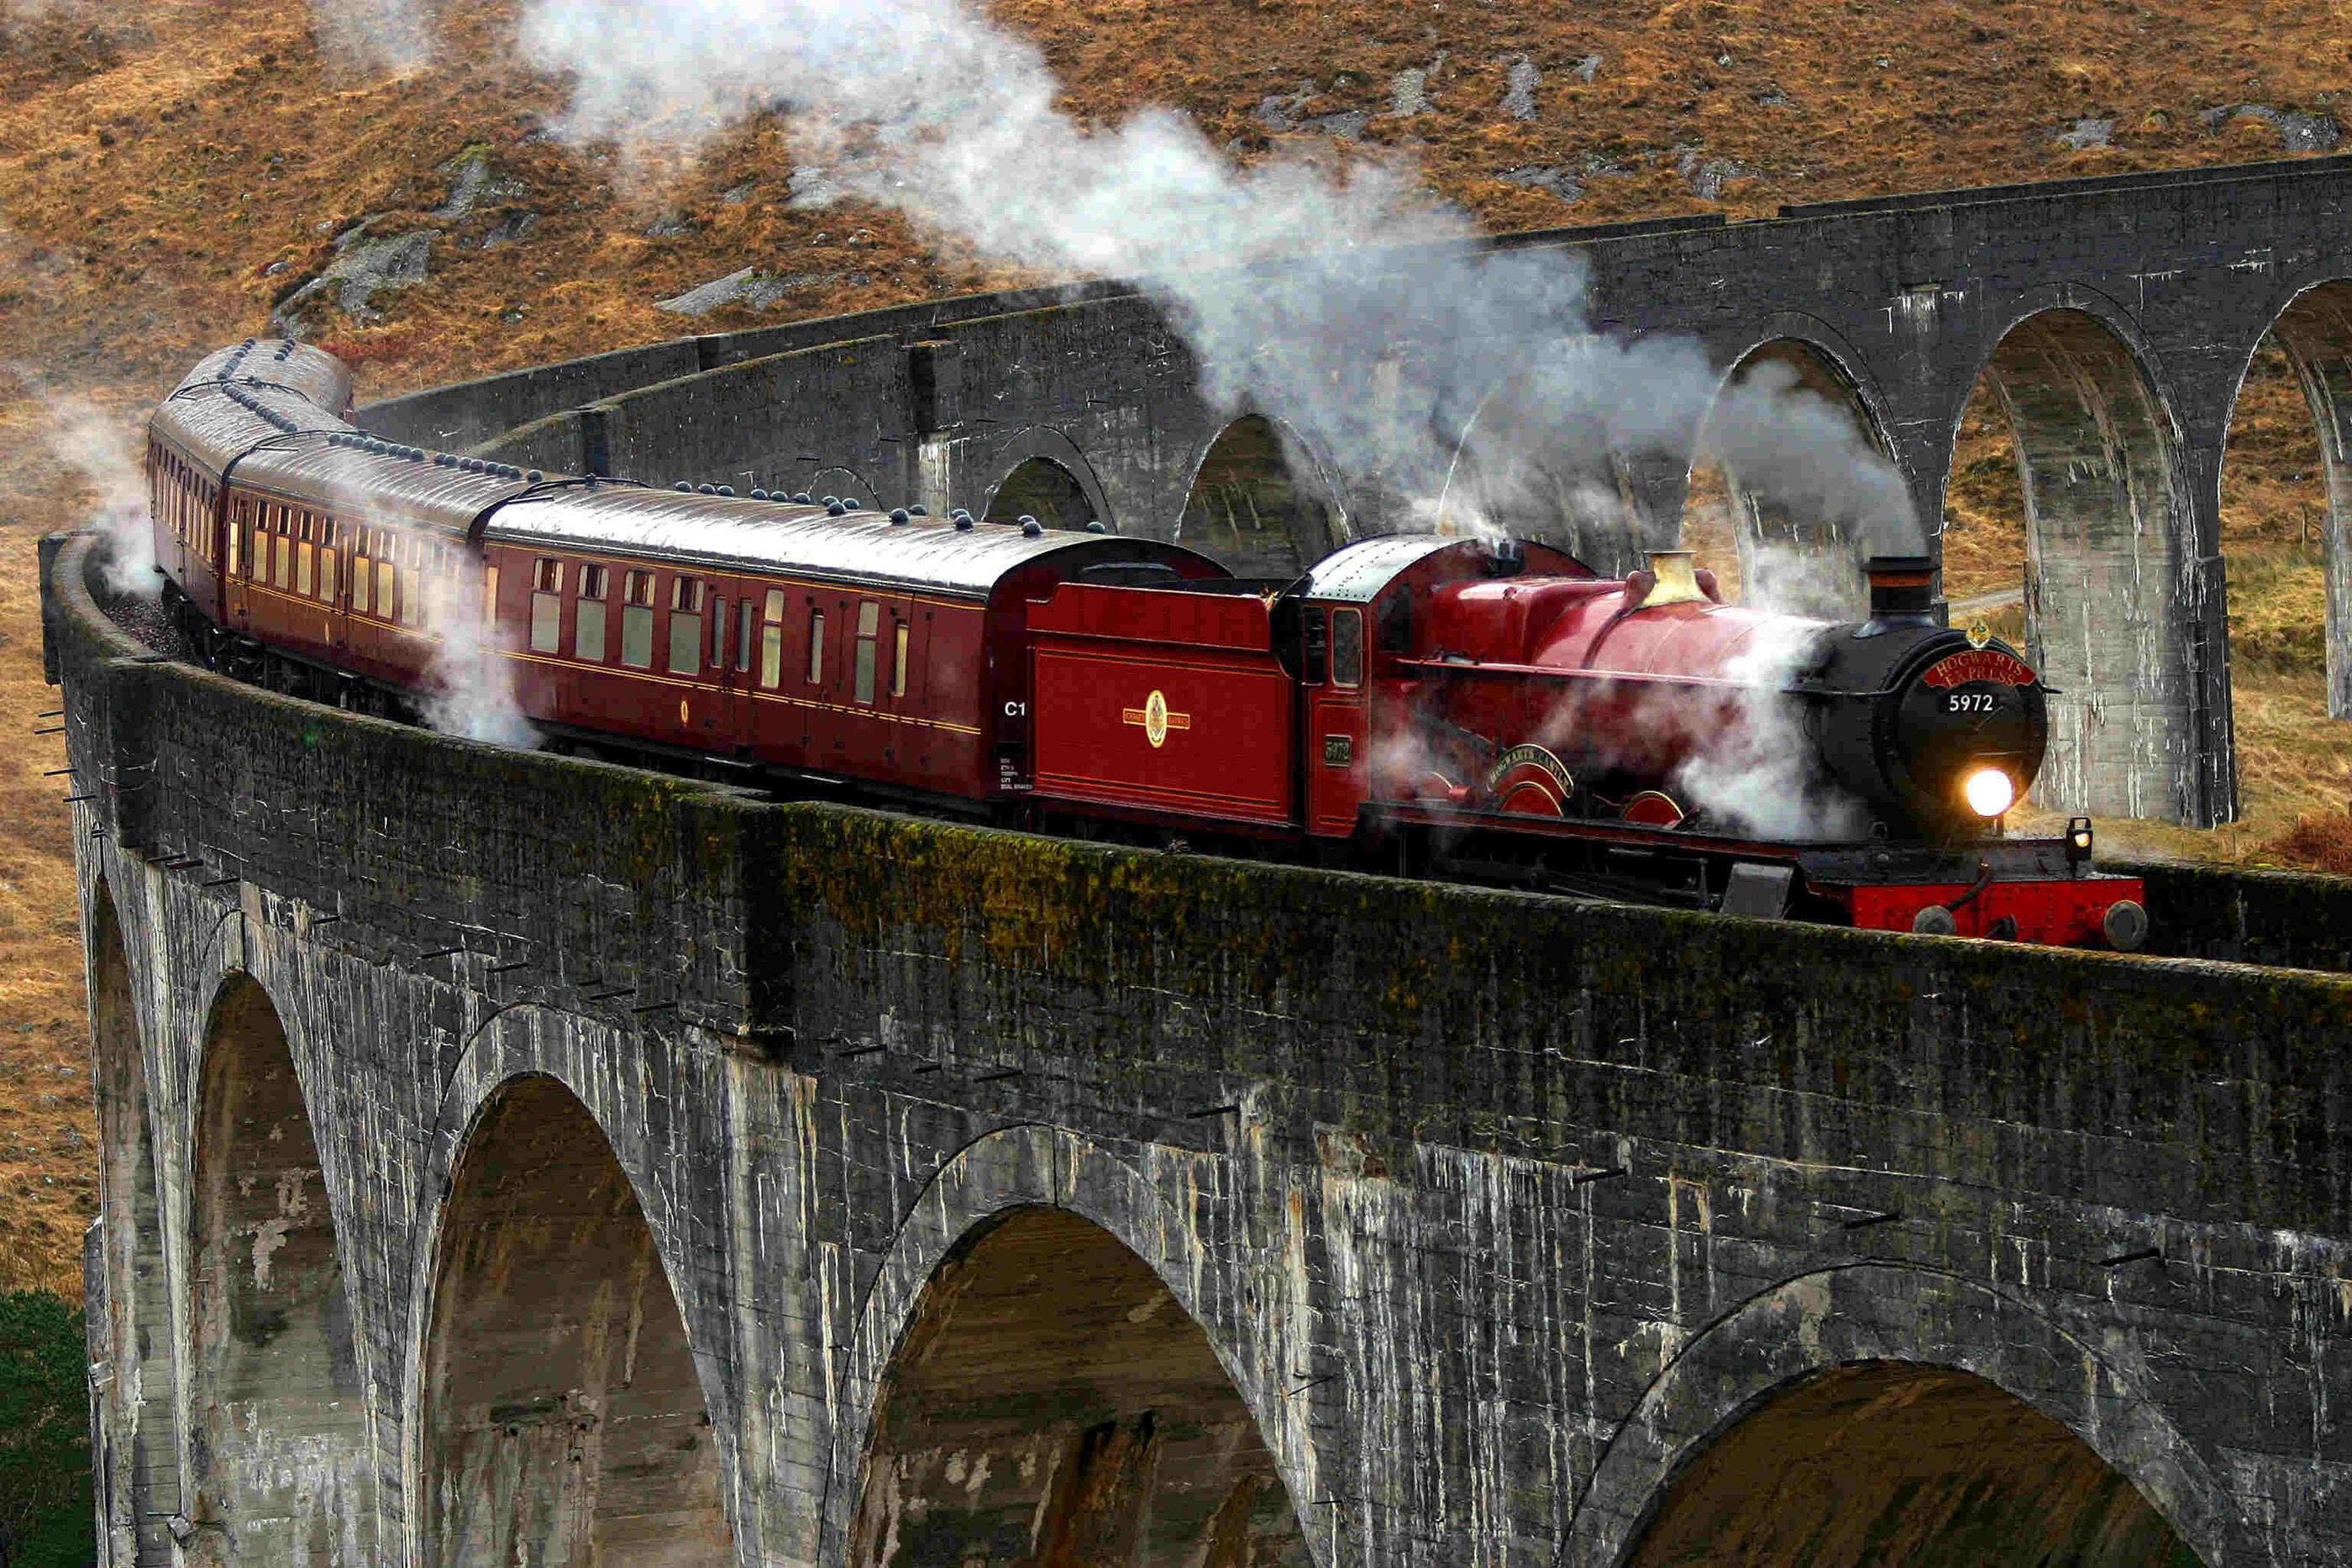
(1044, 489)
(557, 1408)
(138, 1473)
(2115, 593)
(1794, 454)
(280, 1466)
(1811, 1353)
(2314, 329)
(1260, 503)
(1050, 479)
(1126, 1429)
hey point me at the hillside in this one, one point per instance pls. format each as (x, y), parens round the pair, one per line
(172, 170)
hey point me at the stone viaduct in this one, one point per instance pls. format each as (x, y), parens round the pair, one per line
(2115, 316)
(509, 1158)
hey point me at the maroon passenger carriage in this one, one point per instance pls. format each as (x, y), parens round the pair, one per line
(1493, 708)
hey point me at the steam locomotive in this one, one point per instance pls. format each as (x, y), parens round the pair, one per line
(1488, 707)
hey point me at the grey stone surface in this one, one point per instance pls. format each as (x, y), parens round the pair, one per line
(508, 230)
(811, 187)
(470, 178)
(2088, 133)
(750, 286)
(1494, 1209)
(1409, 91)
(1525, 80)
(735, 287)
(1559, 182)
(2299, 131)
(362, 268)
(1280, 113)
(1708, 176)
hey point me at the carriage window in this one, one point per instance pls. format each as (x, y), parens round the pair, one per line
(1347, 647)
(387, 574)
(745, 620)
(684, 625)
(771, 642)
(412, 583)
(637, 620)
(490, 597)
(284, 547)
(816, 646)
(330, 584)
(869, 628)
(899, 664)
(547, 607)
(588, 626)
(717, 634)
(302, 555)
(1314, 646)
(362, 573)
(239, 524)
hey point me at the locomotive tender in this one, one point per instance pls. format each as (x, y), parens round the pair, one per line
(1485, 706)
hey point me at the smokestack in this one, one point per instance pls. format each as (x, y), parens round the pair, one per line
(1902, 591)
(1674, 580)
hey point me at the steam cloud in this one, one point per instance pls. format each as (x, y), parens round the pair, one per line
(471, 687)
(1382, 334)
(384, 35)
(1759, 776)
(1436, 377)
(94, 446)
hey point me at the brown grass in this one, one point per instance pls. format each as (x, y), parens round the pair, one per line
(168, 167)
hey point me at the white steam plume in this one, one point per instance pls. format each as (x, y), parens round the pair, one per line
(94, 445)
(393, 35)
(471, 684)
(1288, 277)
(1758, 773)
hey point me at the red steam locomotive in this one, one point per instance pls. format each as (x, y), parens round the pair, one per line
(1424, 703)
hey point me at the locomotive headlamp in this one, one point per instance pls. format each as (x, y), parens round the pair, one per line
(1990, 792)
(2078, 840)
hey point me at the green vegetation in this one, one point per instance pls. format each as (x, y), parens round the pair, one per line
(46, 1520)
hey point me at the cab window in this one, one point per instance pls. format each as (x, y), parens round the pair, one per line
(1348, 648)
(1313, 645)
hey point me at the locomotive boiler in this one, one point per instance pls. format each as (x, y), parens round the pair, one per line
(1432, 704)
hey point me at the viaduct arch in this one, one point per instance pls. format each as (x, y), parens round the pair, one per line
(1877, 1409)
(1040, 1374)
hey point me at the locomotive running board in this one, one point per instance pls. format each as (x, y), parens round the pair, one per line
(1834, 864)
